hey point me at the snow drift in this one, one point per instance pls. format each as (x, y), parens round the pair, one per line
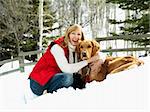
(126, 91)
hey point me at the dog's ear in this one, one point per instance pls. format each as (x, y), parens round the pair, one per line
(78, 47)
(96, 47)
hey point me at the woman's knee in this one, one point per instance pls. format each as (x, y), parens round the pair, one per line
(36, 88)
(67, 79)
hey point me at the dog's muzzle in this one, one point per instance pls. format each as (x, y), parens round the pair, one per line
(84, 55)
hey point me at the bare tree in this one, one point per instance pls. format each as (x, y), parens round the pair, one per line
(13, 19)
(83, 12)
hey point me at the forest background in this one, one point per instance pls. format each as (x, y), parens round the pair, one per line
(19, 21)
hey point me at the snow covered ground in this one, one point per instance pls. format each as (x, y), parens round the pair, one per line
(126, 91)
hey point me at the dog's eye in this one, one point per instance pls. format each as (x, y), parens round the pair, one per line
(89, 46)
(81, 46)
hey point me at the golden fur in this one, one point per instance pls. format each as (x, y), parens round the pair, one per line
(88, 48)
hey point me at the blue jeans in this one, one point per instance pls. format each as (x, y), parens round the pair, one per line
(58, 81)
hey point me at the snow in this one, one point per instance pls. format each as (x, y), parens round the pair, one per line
(126, 91)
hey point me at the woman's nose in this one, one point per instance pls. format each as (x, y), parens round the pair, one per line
(76, 37)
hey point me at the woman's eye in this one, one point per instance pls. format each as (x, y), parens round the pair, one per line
(75, 33)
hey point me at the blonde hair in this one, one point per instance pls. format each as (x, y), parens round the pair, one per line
(69, 30)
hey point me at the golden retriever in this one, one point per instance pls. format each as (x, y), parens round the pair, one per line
(88, 48)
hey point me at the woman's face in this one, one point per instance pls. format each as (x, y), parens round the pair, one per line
(75, 36)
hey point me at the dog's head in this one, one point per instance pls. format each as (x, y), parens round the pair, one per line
(87, 49)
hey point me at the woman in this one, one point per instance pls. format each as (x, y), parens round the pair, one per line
(55, 68)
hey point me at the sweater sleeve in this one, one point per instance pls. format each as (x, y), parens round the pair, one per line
(63, 63)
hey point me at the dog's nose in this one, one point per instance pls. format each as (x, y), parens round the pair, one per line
(84, 54)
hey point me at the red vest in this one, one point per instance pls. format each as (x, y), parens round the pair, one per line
(47, 67)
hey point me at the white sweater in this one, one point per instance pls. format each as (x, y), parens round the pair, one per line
(61, 60)
(64, 65)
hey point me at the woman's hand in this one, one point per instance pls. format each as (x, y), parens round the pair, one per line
(94, 58)
(96, 63)
(96, 66)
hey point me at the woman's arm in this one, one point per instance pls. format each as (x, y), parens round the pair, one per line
(62, 61)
